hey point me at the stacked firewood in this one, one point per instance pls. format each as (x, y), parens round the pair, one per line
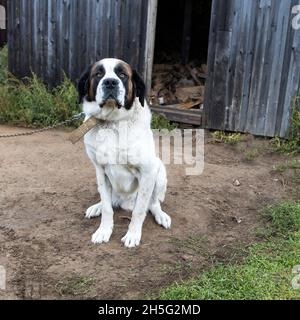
(178, 85)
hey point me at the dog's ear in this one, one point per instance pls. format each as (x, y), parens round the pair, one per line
(83, 84)
(139, 85)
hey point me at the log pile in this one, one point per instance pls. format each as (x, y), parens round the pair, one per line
(179, 85)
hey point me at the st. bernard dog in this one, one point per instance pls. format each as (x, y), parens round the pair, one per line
(139, 183)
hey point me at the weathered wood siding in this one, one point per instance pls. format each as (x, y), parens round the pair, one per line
(254, 66)
(50, 37)
(3, 22)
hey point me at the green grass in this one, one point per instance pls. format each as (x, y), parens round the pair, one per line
(160, 122)
(227, 138)
(74, 285)
(30, 103)
(251, 154)
(284, 218)
(265, 272)
(289, 165)
(291, 170)
(3, 65)
(291, 145)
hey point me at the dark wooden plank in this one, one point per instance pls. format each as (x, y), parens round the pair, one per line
(235, 66)
(236, 96)
(268, 57)
(251, 21)
(277, 70)
(188, 116)
(263, 15)
(45, 40)
(65, 45)
(105, 27)
(51, 73)
(141, 64)
(77, 42)
(284, 98)
(98, 28)
(219, 102)
(10, 35)
(55, 45)
(17, 34)
(292, 81)
(38, 30)
(72, 70)
(112, 46)
(209, 88)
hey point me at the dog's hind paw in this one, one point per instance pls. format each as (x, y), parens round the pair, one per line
(94, 211)
(131, 239)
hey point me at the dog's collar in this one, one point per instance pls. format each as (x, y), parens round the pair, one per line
(89, 124)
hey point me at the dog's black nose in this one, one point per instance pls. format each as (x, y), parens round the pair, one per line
(110, 83)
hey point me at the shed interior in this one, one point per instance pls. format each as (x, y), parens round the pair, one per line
(180, 57)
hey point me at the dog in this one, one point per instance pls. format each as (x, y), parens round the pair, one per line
(112, 92)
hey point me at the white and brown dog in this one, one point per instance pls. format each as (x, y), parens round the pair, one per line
(122, 148)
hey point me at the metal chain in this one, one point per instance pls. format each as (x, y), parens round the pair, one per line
(29, 133)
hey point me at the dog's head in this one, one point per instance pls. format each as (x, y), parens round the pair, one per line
(111, 80)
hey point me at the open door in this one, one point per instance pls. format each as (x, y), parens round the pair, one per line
(180, 59)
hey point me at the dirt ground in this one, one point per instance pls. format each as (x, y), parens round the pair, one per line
(47, 184)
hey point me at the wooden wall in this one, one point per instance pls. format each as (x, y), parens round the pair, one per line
(253, 59)
(52, 36)
(254, 66)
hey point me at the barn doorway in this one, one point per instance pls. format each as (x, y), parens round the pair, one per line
(180, 55)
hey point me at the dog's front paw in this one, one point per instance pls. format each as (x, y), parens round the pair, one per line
(94, 211)
(163, 219)
(102, 235)
(132, 239)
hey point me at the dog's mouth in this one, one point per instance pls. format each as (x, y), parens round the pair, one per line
(111, 101)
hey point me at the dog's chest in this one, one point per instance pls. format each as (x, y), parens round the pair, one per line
(111, 146)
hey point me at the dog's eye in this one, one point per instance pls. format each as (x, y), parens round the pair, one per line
(99, 74)
(122, 75)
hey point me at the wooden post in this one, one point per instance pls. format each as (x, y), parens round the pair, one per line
(150, 43)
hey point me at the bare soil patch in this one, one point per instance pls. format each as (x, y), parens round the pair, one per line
(47, 184)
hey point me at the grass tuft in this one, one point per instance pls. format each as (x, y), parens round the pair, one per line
(74, 285)
(291, 145)
(227, 138)
(284, 218)
(3, 65)
(161, 122)
(32, 104)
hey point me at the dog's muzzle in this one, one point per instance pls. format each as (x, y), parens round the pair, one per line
(110, 89)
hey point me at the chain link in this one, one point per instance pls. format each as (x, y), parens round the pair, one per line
(56, 125)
